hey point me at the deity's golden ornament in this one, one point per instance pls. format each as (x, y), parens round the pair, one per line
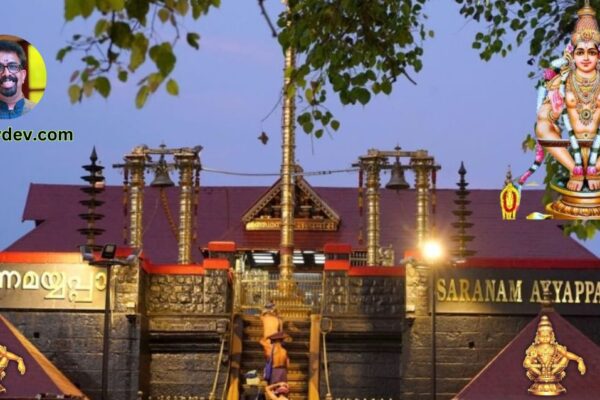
(5, 357)
(546, 361)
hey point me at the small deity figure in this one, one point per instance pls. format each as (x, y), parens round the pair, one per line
(5, 357)
(570, 102)
(546, 361)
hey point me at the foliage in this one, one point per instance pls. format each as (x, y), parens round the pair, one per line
(355, 48)
(123, 40)
(544, 25)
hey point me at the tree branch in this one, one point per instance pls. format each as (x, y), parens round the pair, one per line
(263, 11)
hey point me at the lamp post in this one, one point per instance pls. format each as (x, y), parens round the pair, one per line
(433, 253)
(108, 260)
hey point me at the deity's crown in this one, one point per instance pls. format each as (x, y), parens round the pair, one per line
(586, 28)
(544, 323)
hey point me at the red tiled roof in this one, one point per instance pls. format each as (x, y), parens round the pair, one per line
(504, 377)
(56, 209)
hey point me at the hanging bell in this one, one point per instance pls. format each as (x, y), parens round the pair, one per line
(397, 180)
(161, 177)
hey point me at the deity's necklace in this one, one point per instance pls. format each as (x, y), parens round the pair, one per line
(586, 91)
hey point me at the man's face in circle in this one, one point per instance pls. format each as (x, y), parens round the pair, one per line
(11, 83)
(586, 56)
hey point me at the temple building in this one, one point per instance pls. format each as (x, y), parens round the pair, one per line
(163, 299)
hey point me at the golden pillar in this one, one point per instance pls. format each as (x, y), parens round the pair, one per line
(135, 162)
(422, 164)
(186, 163)
(372, 167)
(286, 247)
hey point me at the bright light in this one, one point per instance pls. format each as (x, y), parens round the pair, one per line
(432, 250)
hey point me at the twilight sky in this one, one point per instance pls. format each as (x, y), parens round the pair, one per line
(461, 109)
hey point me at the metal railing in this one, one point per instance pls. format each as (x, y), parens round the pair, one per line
(358, 258)
(257, 288)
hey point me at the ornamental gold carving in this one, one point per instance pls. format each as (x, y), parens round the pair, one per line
(5, 357)
(546, 361)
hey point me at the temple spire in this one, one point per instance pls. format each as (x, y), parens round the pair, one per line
(462, 225)
(95, 186)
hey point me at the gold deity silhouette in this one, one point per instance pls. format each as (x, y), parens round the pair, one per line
(5, 357)
(546, 361)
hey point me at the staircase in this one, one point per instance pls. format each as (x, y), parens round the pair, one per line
(252, 357)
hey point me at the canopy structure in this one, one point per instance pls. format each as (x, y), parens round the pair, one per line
(40, 378)
(504, 378)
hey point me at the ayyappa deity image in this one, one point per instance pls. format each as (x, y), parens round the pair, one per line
(546, 361)
(5, 357)
(569, 102)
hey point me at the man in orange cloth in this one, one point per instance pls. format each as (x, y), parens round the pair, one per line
(271, 325)
(279, 359)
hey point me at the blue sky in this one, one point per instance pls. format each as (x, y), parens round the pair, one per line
(461, 109)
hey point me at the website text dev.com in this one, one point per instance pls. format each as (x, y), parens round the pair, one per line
(14, 135)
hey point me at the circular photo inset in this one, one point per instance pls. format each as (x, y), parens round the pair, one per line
(22, 77)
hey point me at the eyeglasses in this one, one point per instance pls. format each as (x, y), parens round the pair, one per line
(12, 67)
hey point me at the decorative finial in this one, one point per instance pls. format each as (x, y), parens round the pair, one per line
(462, 212)
(508, 176)
(95, 186)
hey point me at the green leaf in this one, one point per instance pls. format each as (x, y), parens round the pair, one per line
(88, 88)
(72, 9)
(103, 6)
(120, 33)
(122, 75)
(319, 133)
(182, 7)
(87, 7)
(363, 96)
(139, 47)
(141, 97)
(91, 61)
(117, 5)
(308, 127)
(164, 14)
(102, 85)
(335, 125)
(163, 57)
(386, 87)
(192, 39)
(74, 93)
(101, 27)
(62, 52)
(172, 87)
(137, 9)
